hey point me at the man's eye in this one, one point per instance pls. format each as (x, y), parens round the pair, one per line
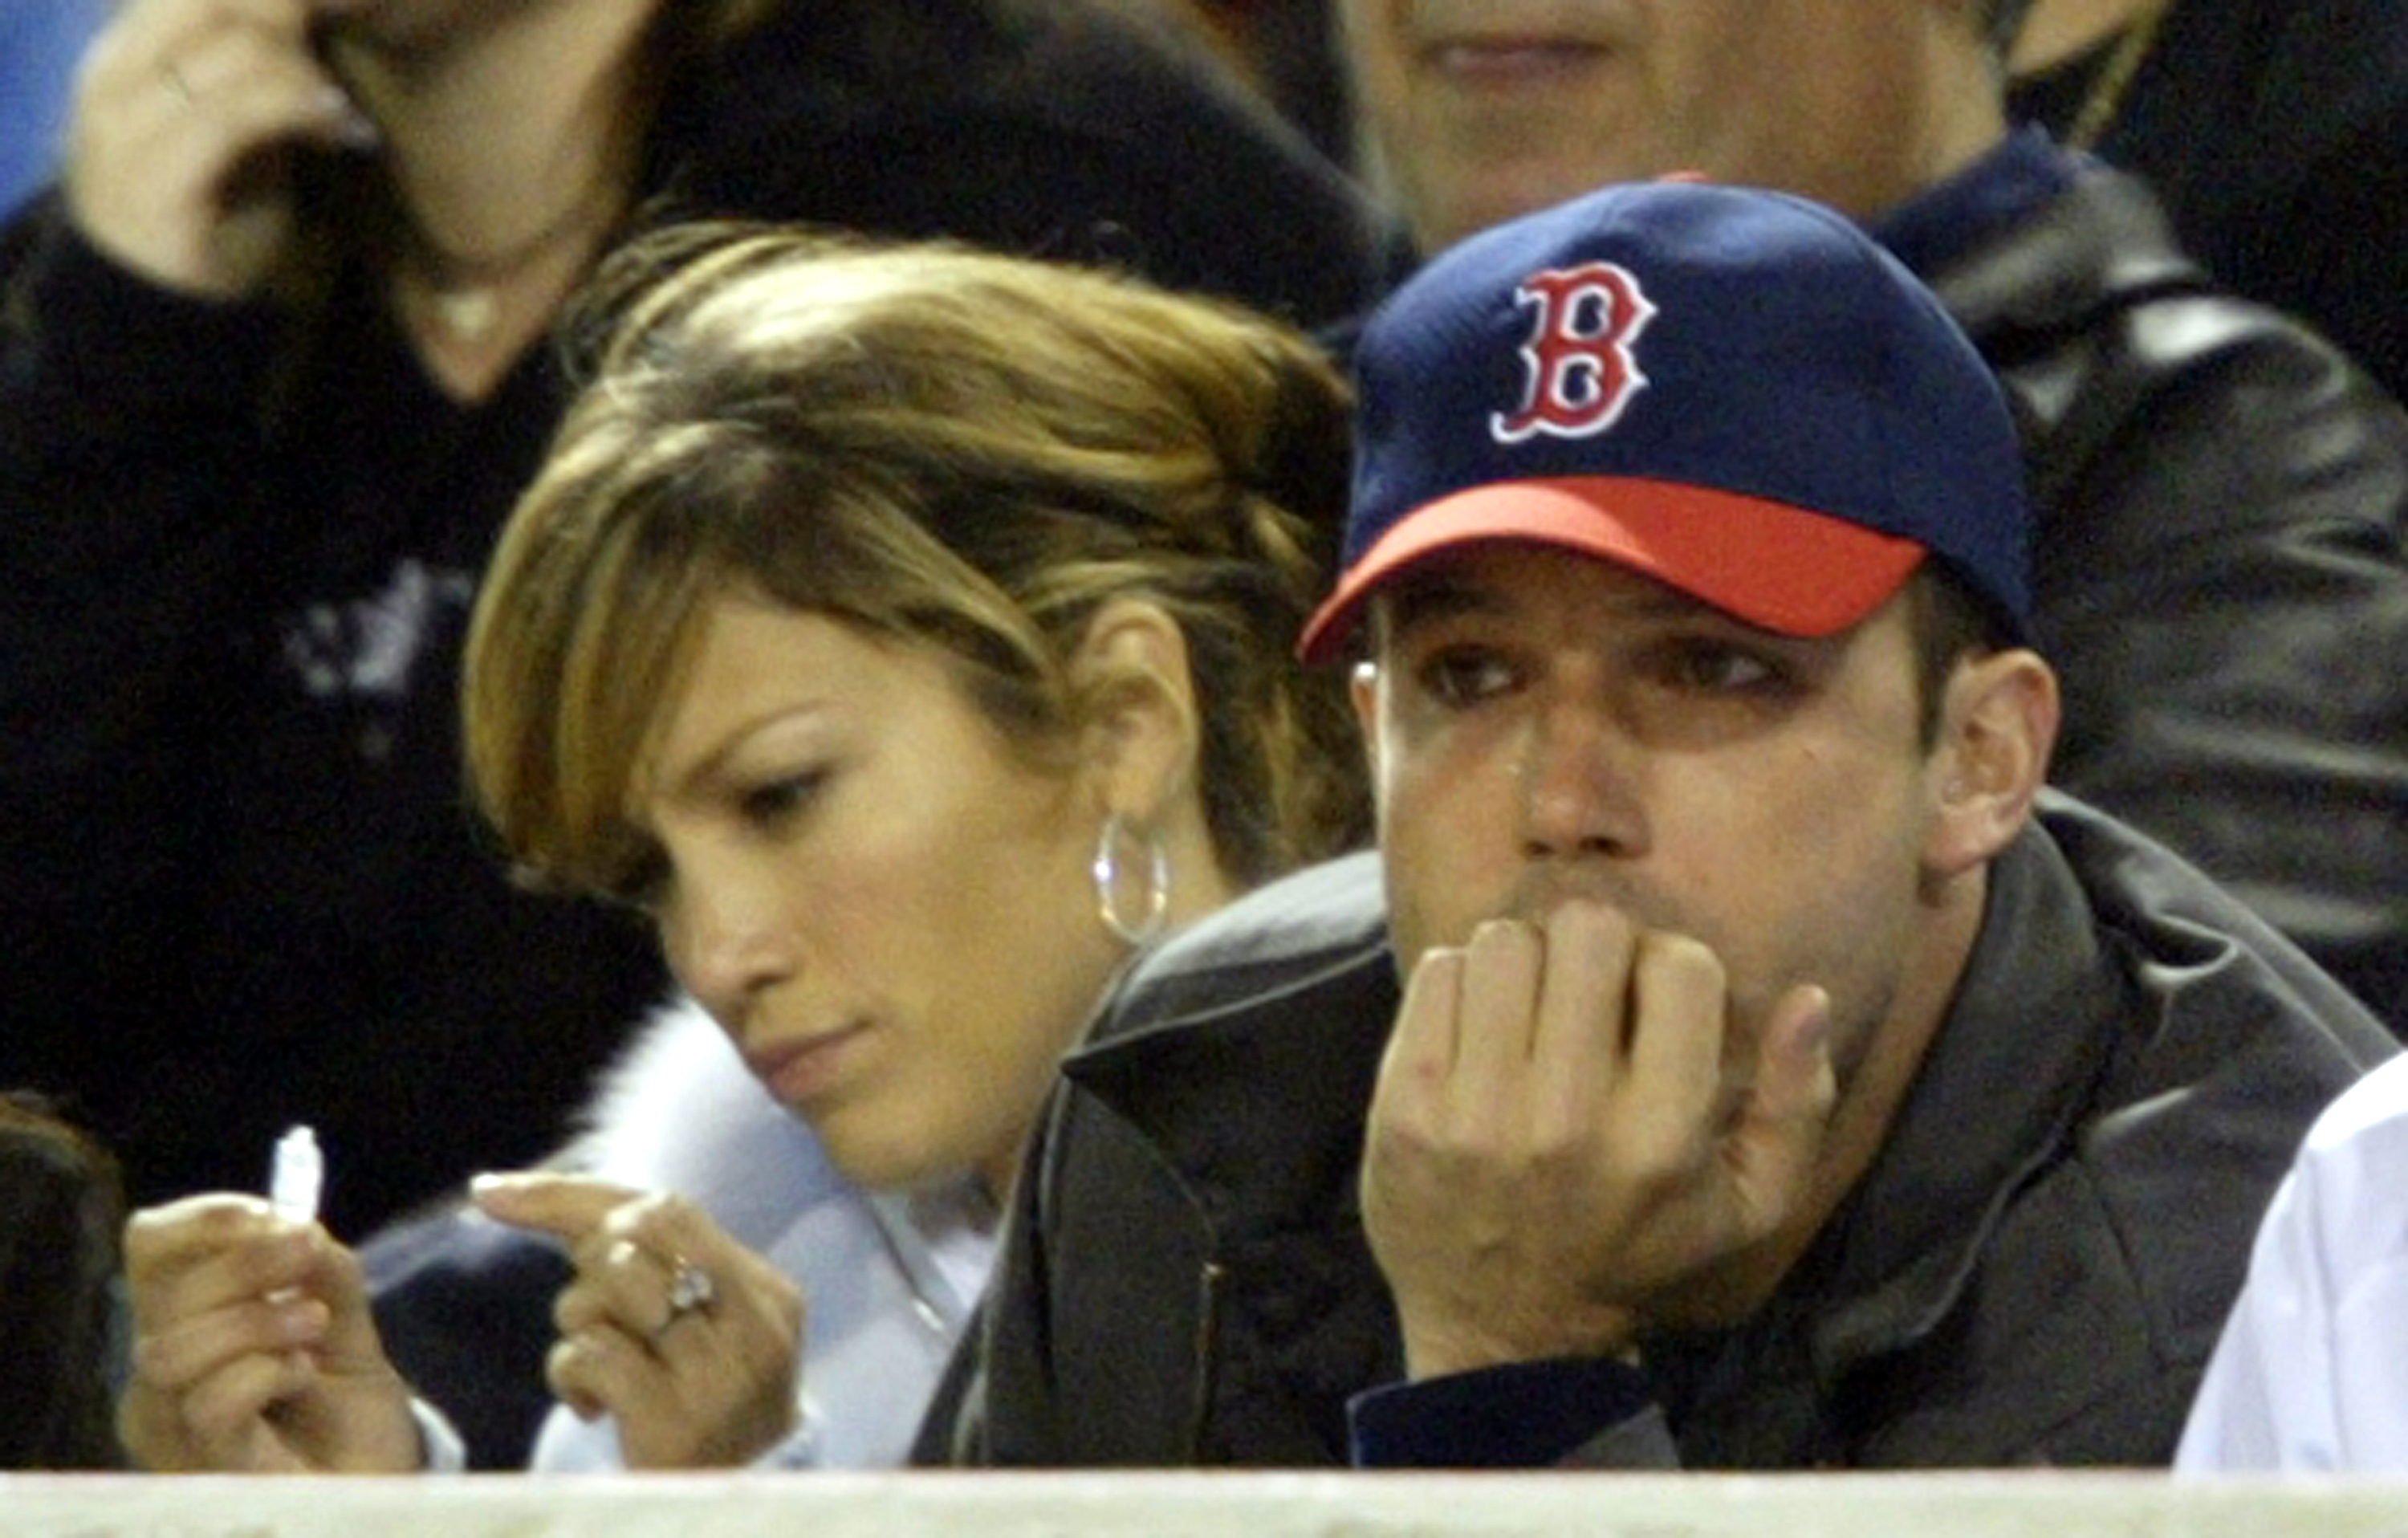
(1717, 668)
(1465, 675)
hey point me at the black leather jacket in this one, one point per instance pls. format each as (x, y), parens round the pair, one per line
(2219, 576)
(2034, 1268)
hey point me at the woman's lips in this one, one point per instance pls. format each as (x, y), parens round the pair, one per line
(805, 1069)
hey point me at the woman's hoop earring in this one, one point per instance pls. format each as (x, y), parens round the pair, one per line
(1108, 848)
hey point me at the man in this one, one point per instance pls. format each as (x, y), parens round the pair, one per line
(2220, 496)
(1771, 1087)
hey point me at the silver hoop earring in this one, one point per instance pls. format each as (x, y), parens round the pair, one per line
(1109, 847)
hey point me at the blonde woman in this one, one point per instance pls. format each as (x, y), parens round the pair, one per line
(904, 632)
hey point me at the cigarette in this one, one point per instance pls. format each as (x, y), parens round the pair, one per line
(296, 1176)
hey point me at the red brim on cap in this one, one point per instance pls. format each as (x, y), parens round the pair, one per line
(1780, 568)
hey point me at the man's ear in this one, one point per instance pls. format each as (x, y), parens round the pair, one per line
(1363, 691)
(1998, 725)
(1141, 738)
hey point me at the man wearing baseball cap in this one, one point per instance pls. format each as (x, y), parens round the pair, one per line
(2220, 497)
(1731, 1056)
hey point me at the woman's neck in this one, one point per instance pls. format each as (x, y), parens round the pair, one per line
(510, 143)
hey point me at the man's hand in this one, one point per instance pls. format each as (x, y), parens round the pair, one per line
(253, 1348)
(187, 114)
(709, 1384)
(1566, 1132)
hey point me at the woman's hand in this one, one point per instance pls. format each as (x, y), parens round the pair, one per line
(253, 1348)
(692, 1342)
(187, 116)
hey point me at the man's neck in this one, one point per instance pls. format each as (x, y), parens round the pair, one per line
(2055, 31)
(1872, 1086)
(1964, 116)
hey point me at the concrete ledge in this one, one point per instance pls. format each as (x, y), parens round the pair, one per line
(1203, 1506)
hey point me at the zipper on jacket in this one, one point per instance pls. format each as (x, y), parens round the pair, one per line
(1208, 1305)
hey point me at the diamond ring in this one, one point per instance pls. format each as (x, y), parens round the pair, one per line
(691, 1289)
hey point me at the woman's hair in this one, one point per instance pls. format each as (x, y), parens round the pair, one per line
(968, 452)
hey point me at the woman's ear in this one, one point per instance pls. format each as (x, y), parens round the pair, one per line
(1998, 725)
(1143, 737)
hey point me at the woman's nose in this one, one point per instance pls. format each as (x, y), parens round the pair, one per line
(726, 940)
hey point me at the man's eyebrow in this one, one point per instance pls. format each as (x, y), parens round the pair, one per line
(1431, 597)
(1426, 597)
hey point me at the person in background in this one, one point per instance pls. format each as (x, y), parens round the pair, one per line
(902, 630)
(40, 41)
(1733, 1057)
(2275, 133)
(60, 1208)
(273, 366)
(2308, 1377)
(2219, 578)
(1286, 51)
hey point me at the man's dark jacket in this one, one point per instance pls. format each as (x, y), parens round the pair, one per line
(2033, 1269)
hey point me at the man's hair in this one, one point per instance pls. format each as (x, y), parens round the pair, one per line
(966, 453)
(1949, 623)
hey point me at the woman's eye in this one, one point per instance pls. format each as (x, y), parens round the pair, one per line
(773, 803)
(1465, 675)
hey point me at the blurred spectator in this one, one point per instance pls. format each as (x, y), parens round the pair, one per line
(2311, 1376)
(1286, 52)
(60, 1208)
(2275, 133)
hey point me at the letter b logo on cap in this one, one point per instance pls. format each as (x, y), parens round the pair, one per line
(1580, 369)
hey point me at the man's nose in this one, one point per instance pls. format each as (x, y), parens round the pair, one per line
(1581, 781)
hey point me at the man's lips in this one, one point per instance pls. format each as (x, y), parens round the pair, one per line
(1507, 59)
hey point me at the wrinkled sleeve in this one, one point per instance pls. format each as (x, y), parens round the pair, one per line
(1566, 1412)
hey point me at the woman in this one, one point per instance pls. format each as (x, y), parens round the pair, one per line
(906, 632)
(272, 371)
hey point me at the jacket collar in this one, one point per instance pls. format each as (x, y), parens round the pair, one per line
(1256, 1084)
(2033, 238)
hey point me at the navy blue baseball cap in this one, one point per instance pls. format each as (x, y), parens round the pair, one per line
(1735, 392)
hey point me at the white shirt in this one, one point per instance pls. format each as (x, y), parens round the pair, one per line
(2312, 1372)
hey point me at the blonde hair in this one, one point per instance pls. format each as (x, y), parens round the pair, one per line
(965, 451)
